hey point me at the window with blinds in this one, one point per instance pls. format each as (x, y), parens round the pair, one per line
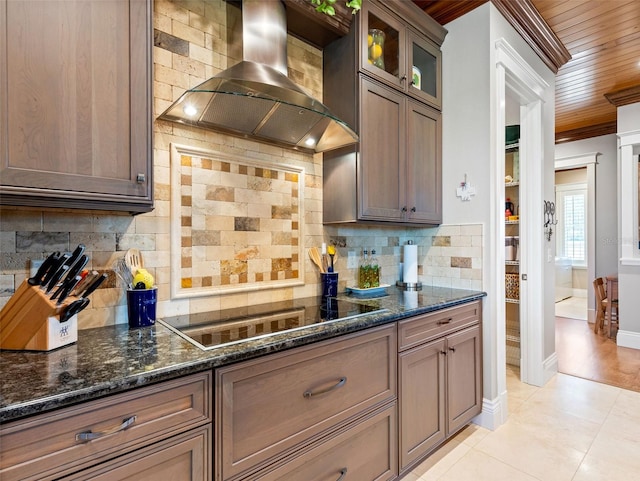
(571, 203)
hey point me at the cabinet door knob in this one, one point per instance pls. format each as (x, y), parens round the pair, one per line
(141, 178)
(403, 78)
(413, 209)
(341, 382)
(343, 474)
(404, 209)
(452, 349)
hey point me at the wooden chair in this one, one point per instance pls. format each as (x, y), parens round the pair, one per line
(602, 302)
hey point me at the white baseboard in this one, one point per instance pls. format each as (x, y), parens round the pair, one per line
(628, 339)
(494, 412)
(550, 367)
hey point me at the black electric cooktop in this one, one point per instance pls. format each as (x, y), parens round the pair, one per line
(213, 329)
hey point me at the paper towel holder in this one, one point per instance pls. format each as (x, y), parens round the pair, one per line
(409, 286)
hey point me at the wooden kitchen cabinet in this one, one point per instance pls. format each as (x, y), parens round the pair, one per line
(440, 378)
(400, 172)
(75, 113)
(272, 409)
(364, 451)
(185, 458)
(169, 420)
(410, 59)
(394, 174)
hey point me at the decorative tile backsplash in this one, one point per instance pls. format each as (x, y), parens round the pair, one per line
(235, 223)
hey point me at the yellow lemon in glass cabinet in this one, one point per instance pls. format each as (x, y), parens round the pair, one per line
(376, 51)
(369, 40)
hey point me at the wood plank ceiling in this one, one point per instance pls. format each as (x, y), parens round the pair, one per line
(603, 38)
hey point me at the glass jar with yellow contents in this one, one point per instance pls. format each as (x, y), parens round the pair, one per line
(375, 41)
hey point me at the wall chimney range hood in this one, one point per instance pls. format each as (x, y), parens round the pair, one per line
(256, 99)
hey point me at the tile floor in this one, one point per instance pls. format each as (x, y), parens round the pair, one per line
(571, 429)
(572, 307)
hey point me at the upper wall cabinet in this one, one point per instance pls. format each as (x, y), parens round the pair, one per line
(395, 53)
(75, 108)
(384, 79)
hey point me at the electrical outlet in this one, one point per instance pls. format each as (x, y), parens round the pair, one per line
(34, 265)
(352, 260)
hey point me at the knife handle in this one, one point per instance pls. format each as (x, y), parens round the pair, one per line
(47, 264)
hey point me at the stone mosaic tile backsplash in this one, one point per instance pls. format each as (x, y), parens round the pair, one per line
(191, 46)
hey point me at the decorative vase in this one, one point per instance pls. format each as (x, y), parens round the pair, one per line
(375, 41)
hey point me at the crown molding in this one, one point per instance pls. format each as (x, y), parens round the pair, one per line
(528, 22)
(621, 97)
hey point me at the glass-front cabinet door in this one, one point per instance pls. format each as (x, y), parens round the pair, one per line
(425, 63)
(399, 56)
(382, 53)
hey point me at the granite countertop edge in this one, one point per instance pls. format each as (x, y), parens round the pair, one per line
(115, 359)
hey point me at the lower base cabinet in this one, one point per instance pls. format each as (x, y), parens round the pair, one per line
(183, 458)
(162, 428)
(364, 451)
(440, 379)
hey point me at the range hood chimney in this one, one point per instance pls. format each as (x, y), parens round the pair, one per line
(256, 99)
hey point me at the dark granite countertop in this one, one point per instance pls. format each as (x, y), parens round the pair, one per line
(114, 359)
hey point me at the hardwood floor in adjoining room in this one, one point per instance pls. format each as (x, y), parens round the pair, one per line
(588, 355)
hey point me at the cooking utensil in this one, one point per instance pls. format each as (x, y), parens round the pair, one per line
(84, 283)
(59, 262)
(121, 269)
(314, 255)
(56, 278)
(47, 264)
(71, 275)
(94, 285)
(331, 250)
(67, 286)
(74, 308)
(133, 258)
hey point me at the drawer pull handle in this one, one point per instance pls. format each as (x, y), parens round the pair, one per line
(448, 321)
(343, 474)
(90, 435)
(340, 383)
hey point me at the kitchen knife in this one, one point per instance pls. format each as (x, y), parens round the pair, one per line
(90, 277)
(56, 277)
(75, 256)
(94, 285)
(73, 308)
(59, 261)
(70, 278)
(67, 287)
(47, 264)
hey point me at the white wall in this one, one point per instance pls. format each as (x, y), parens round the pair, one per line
(606, 198)
(469, 143)
(629, 272)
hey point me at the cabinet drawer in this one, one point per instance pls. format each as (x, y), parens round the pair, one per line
(46, 446)
(419, 329)
(365, 451)
(266, 406)
(183, 457)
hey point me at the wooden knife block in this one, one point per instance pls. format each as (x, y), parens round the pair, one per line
(30, 321)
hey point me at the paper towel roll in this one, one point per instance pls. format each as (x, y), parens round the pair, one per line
(410, 264)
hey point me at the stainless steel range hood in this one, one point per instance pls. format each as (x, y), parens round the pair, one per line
(256, 99)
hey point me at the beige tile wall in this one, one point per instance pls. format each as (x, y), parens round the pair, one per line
(448, 255)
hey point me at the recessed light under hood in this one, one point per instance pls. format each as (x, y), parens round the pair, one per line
(256, 99)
